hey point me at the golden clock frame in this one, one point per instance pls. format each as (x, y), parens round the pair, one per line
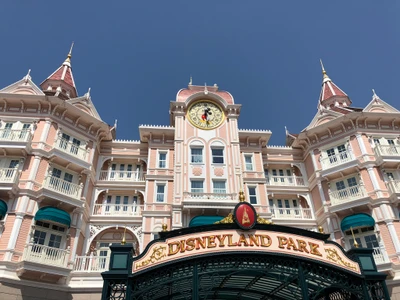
(203, 101)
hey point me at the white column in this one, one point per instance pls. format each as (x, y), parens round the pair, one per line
(77, 234)
(14, 235)
(330, 228)
(45, 131)
(314, 161)
(35, 167)
(321, 192)
(361, 144)
(373, 178)
(393, 235)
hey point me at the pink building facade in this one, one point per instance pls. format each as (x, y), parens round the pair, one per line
(69, 188)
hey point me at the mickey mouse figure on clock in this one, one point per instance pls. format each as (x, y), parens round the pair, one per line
(205, 114)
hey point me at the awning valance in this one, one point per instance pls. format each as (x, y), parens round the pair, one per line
(53, 214)
(3, 209)
(357, 220)
(204, 220)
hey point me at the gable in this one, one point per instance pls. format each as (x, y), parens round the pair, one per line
(323, 116)
(85, 104)
(379, 106)
(25, 86)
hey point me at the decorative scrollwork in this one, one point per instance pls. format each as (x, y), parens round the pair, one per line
(226, 220)
(263, 221)
(158, 254)
(335, 257)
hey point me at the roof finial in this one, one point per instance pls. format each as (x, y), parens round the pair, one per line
(375, 96)
(325, 76)
(191, 80)
(87, 95)
(205, 89)
(28, 76)
(68, 60)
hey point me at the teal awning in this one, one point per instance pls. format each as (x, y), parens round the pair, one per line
(3, 209)
(204, 220)
(358, 220)
(53, 214)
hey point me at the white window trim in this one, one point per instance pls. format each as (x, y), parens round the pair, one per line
(194, 146)
(75, 176)
(166, 152)
(197, 179)
(255, 186)
(251, 155)
(156, 184)
(223, 155)
(64, 235)
(344, 179)
(385, 138)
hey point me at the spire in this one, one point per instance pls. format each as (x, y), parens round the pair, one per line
(331, 94)
(61, 82)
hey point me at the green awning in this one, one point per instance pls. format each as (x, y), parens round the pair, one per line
(53, 214)
(204, 220)
(358, 220)
(3, 209)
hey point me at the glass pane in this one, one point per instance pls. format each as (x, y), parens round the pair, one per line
(352, 181)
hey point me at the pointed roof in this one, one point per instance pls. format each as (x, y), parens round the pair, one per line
(330, 89)
(61, 82)
(24, 86)
(85, 104)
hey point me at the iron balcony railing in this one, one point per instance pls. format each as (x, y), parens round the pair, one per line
(336, 159)
(63, 187)
(126, 176)
(91, 264)
(71, 148)
(348, 194)
(285, 180)
(8, 175)
(291, 213)
(12, 135)
(46, 255)
(387, 150)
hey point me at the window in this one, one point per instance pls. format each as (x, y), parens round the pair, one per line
(286, 207)
(24, 131)
(219, 187)
(217, 155)
(348, 187)
(252, 195)
(337, 154)
(196, 186)
(48, 234)
(196, 155)
(364, 236)
(162, 160)
(248, 159)
(119, 205)
(160, 192)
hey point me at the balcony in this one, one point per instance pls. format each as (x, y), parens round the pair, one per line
(389, 151)
(285, 181)
(46, 255)
(11, 135)
(117, 210)
(336, 160)
(71, 149)
(8, 175)
(394, 186)
(214, 200)
(291, 213)
(63, 187)
(380, 256)
(347, 195)
(122, 176)
(91, 263)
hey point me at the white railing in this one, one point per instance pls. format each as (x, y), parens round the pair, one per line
(347, 194)
(337, 159)
(8, 175)
(117, 210)
(290, 213)
(63, 187)
(12, 135)
(387, 150)
(91, 263)
(285, 180)
(121, 175)
(380, 255)
(209, 196)
(46, 255)
(70, 148)
(394, 186)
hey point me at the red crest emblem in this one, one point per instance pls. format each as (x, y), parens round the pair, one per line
(245, 215)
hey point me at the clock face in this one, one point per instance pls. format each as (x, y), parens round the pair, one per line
(205, 115)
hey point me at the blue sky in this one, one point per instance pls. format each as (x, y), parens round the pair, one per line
(136, 55)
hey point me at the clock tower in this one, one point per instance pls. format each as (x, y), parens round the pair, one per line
(207, 173)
